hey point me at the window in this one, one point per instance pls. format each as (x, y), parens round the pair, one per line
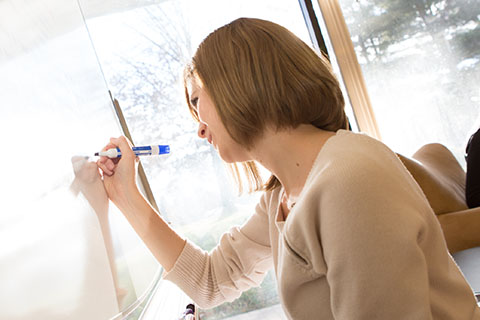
(421, 66)
(143, 52)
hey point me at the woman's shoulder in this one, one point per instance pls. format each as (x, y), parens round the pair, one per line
(350, 150)
(353, 159)
(353, 142)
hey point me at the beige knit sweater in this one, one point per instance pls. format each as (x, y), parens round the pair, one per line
(361, 243)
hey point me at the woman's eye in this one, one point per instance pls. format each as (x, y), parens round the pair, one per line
(194, 102)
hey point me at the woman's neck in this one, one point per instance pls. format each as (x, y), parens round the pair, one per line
(289, 154)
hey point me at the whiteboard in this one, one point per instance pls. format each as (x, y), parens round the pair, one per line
(60, 258)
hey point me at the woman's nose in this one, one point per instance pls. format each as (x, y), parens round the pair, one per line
(202, 130)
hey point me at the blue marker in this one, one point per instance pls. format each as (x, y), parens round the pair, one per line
(139, 151)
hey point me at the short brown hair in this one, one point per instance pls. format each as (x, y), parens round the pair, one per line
(259, 74)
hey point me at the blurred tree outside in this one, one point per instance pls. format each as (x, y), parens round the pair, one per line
(150, 90)
(377, 25)
(420, 59)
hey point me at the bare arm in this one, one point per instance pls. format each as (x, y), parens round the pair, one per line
(164, 243)
(120, 184)
(239, 262)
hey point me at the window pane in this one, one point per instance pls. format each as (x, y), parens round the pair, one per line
(143, 52)
(421, 63)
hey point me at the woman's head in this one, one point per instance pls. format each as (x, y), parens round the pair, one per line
(260, 75)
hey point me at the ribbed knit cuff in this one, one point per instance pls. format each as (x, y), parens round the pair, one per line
(183, 267)
(190, 273)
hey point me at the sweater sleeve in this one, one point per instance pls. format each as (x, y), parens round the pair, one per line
(373, 223)
(239, 262)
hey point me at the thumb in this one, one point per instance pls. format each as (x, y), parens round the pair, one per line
(125, 147)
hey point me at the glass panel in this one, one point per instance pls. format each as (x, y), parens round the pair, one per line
(421, 63)
(143, 52)
(63, 254)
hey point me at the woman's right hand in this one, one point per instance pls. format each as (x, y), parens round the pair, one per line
(119, 174)
(119, 180)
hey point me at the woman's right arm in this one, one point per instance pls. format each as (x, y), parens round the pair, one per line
(239, 262)
(119, 178)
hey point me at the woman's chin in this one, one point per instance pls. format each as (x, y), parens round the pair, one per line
(226, 159)
(229, 159)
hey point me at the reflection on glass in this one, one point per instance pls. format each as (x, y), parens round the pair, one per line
(421, 63)
(143, 52)
(66, 253)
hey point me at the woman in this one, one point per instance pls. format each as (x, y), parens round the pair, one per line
(348, 231)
